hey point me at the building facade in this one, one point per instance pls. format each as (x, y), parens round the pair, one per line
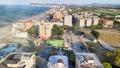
(68, 20)
(19, 60)
(107, 23)
(45, 30)
(87, 60)
(95, 21)
(18, 30)
(88, 22)
(82, 22)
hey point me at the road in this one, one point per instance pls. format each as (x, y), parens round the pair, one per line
(106, 46)
(74, 42)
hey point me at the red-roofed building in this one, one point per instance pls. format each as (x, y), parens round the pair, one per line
(107, 23)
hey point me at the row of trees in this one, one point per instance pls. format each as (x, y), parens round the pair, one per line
(71, 57)
(57, 32)
(95, 33)
(99, 26)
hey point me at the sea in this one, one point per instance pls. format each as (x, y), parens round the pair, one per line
(13, 13)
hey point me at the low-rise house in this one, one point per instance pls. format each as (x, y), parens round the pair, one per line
(117, 17)
(107, 23)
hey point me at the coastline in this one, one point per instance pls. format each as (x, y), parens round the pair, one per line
(5, 31)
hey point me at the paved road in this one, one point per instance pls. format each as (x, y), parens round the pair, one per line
(74, 42)
(106, 46)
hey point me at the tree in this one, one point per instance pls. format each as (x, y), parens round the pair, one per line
(106, 65)
(95, 33)
(38, 61)
(113, 57)
(31, 31)
(116, 24)
(57, 31)
(72, 59)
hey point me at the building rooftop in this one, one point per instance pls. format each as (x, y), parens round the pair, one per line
(88, 60)
(58, 61)
(18, 60)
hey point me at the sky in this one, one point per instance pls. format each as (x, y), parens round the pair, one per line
(23, 2)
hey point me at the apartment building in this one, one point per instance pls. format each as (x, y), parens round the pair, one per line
(88, 22)
(58, 15)
(45, 30)
(68, 20)
(19, 60)
(58, 61)
(87, 60)
(82, 22)
(95, 21)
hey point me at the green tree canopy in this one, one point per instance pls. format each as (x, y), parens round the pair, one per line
(95, 33)
(106, 65)
(31, 31)
(113, 57)
(57, 31)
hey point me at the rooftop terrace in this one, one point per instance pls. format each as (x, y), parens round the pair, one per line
(88, 60)
(18, 60)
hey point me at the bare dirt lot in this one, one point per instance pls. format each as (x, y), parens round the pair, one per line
(110, 37)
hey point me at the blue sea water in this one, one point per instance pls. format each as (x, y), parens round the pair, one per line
(12, 13)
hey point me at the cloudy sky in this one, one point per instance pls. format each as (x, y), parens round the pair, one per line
(60, 1)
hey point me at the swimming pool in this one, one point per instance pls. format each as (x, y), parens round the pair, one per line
(5, 51)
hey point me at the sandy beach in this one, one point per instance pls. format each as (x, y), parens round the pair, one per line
(5, 34)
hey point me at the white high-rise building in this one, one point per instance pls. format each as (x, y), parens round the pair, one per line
(68, 20)
(95, 21)
(82, 22)
(88, 22)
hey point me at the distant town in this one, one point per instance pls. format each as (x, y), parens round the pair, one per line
(66, 36)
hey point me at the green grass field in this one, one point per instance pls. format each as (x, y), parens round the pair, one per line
(111, 12)
(55, 43)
